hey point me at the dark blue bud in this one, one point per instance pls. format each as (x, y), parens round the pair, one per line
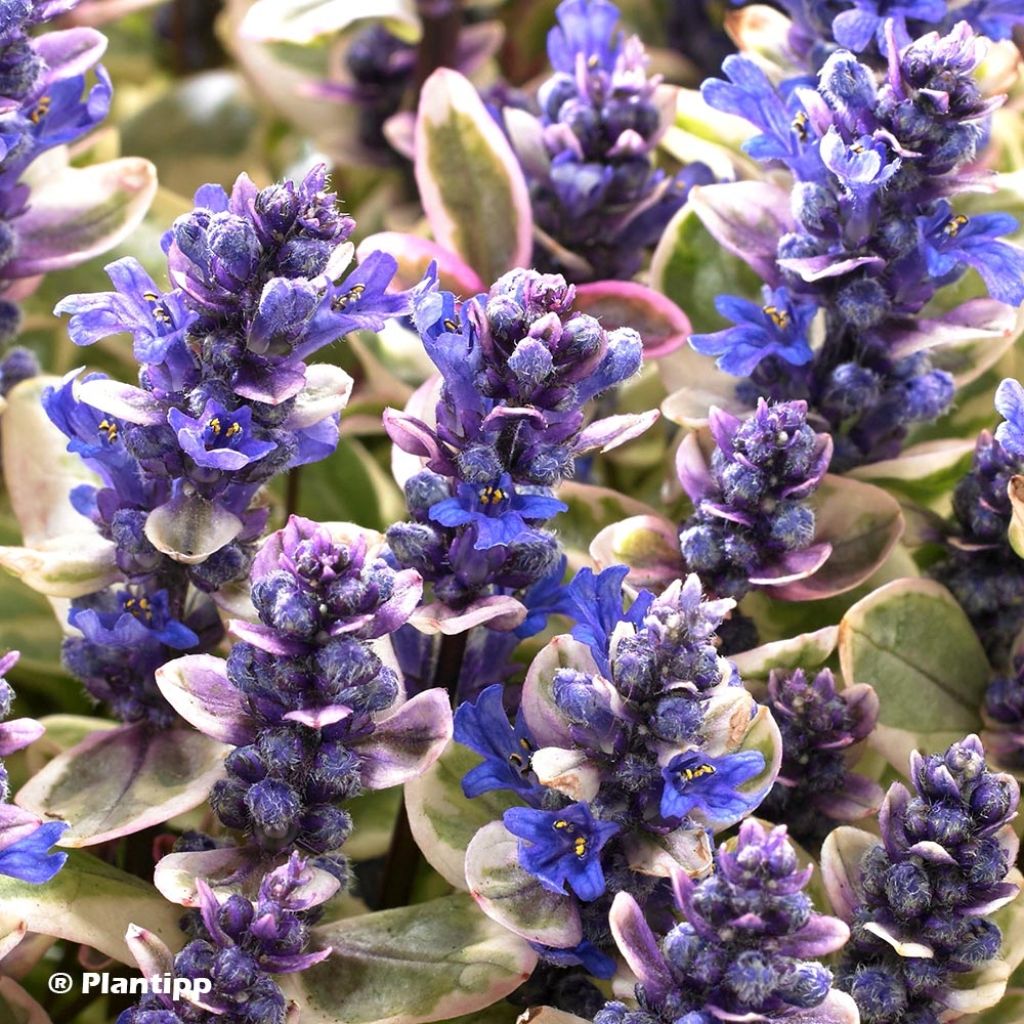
(929, 395)
(234, 970)
(235, 249)
(582, 339)
(980, 943)
(554, 93)
(325, 828)
(274, 808)
(505, 316)
(423, 490)
(345, 663)
(417, 546)
(805, 984)
(276, 207)
(815, 207)
(304, 257)
(991, 800)
(948, 824)
(676, 719)
(531, 362)
(245, 763)
(235, 915)
(6, 698)
(283, 751)
(227, 798)
(334, 774)
(701, 548)
(908, 890)
(285, 605)
(863, 303)
(851, 389)
(879, 995)
(10, 320)
(792, 525)
(741, 484)
(479, 464)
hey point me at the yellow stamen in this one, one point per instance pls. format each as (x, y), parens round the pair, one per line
(491, 495)
(109, 427)
(214, 426)
(579, 846)
(800, 126)
(954, 225)
(689, 774)
(42, 109)
(561, 823)
(779, 317)
(233, 431)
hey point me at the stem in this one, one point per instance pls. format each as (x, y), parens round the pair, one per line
(404, 855)
(291, 494)
(437, 48)
(179, 37)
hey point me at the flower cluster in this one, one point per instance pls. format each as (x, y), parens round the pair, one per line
(820, 726)
(42, 106)
(1004, 717)
(313, 712)
(622, 740)
(596, 192)
(518, 370)
(239, 946)
(745, 948)
(980, 568)
(751, 522)
(920, 913)
(225, 401)
(873, 234)
(24, 838)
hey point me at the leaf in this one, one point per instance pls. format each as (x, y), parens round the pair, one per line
(914, 644)
(443, 819)
(807, 651)
(69, 566)
(80, 212)
(189, 529)
(691, 268)
(302, 21)
(924, 473)
(661, 324)
(472, 188)
(414, 964)
(861, 523)
(1015, 533)
(89, 902)
(515, 899)
(591, 508)
(649, 545)
(17, 1006)
(414, 255)
(841, 856)
(119, 782)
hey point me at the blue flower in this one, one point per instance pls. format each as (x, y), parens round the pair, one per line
(29, 858)
(584, 954)
(562, 847)
(778, 328)
(597, 605)
(219, 439)
(862, 166)
(950, 241)
(548, 596)
(131, 620)
(497, 510)
(694, 781)
(484, 727)
(993, 18)
(1010, 405)
(586, 28)
(855, 29)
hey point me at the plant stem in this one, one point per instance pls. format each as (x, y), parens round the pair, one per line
(404, 855)
(291, 494)
(437, 48)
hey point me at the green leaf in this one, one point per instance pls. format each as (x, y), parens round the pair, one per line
(18, 1007)
(1015, 534)
(410, 965)
(807, 651)
(471, 185)
(302, 21)
(117, 782)
(692, 268)
(90, 902)
(913, 643)
(443, 819)
(924, 473)
(591, 509)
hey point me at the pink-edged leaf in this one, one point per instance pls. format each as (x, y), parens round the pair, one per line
(188, 528)
(639, 946)
(571, 772)
(693, 464)
(820, 268)
(649, 545)
(406, 742)
(613, 431)
(69, 566)
(89, 902)
(489, 225)
(1015, 531)
(684, 849)
(118, 782)
(514, 898)
(78, 213)
(432, 961)
(265, 638)
(150, 952)
(661, 324)
(317, 718)
(862, 523)
(414, 254)
(966, 341)
(197, 687)
(747, 218)
(326, 393)
(841, 857)
(792, 566)
(819, 937)
(175, 874)
(547, 724)
(18, 733)
(808, 650)
(497, 611)
(124, 401)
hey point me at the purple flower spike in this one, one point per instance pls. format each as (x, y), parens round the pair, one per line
(819, 725)
(739, 953)
(751, 522)
(922, 898)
